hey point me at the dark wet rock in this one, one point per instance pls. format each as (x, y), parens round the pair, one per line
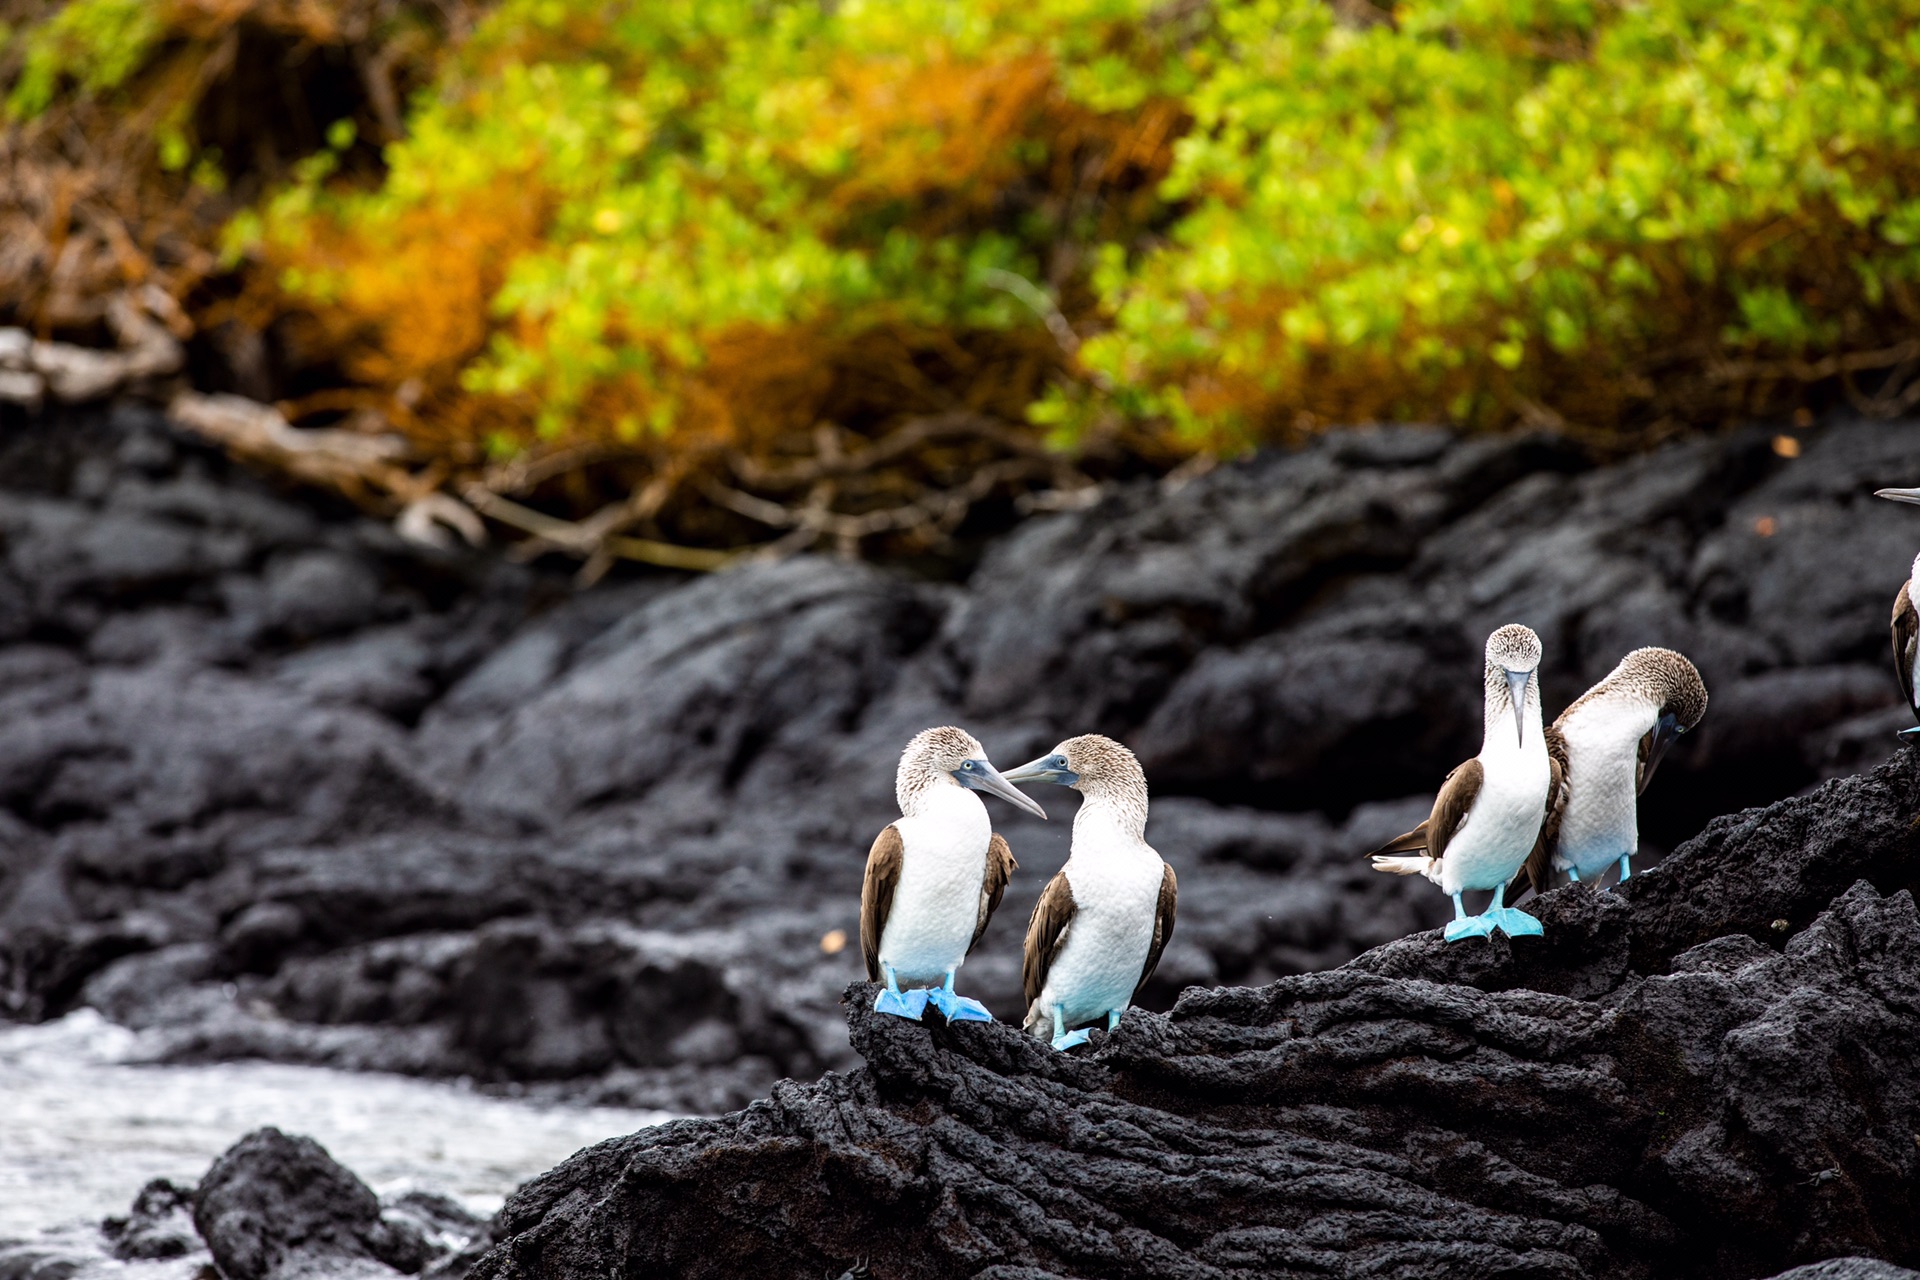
(277, 784)
(1665, 1084)
(275, 1207)
(1849, 1269)
(159, 1225)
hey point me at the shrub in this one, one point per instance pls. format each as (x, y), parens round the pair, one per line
(1562, 211)
(717, 271)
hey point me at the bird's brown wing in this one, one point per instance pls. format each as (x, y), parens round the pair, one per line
(1449, 811)
(1162, 928)
(1451, 806)
(1539, 868)
(1046, 931)
(876, 895)
(1906, 635)
(1000, 868)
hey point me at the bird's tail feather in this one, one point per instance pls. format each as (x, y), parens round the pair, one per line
(1415, 865)
(1413, 841)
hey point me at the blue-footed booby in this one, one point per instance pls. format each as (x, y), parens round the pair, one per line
(1488, 814)
(935, 875)
(1608, 743)
(1906, 622)
(1101, 923)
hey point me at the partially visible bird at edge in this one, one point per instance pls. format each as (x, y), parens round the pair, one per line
(1906, 622)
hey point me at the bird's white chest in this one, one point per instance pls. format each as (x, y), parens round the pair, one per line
(1601, 820)
(1116, 897)
(943, 859)
(1504, 821)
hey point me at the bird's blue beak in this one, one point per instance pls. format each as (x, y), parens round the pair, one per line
(1665, 732)
(1517, 686)
(980, 775)
(1899, 495)
(1051, 768)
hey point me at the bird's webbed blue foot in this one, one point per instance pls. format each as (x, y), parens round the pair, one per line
(958, 1008)
(1469, 927)
(1626, 867)
(1465, 926)
(901, 1004)
(1113, 1020)
(1064, 1039)
(1909, 735)
(1515, 923)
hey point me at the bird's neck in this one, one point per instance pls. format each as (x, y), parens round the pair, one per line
(1619, 715)
(932, 795)
(1499, 737)
(1112, 817)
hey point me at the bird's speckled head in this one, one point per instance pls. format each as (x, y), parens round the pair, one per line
(1514, 648)
(947, 755)
(939, 750)
(1669, 681)
(1098, 761)
(1098, 768)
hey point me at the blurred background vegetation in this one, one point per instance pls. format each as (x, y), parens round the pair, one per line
(678, 278)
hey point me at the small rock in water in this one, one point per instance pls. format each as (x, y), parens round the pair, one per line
(275, 1207)
(160, 1224)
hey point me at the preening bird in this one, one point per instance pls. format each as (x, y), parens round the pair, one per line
(935, 875)
(1101, 923)
(1489, 812)
(1608, 744)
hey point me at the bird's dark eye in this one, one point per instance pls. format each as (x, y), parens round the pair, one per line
(967, 765)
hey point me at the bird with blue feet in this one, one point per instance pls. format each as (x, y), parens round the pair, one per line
(1608, 744)
(1906, 623)
(935, 875)
(1101, 923)
(1490, 810)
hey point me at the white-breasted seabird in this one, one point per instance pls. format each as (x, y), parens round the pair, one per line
(1608, 744)
(1488, 814)
(1101, 923)
(935, 875)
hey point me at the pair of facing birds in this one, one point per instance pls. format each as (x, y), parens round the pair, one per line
(1537, 799)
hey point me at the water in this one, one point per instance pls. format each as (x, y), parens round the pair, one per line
(84, 1124)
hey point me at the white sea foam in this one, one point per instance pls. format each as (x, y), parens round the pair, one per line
(84, 1124)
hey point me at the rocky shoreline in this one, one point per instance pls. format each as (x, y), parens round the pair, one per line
(279, 783)
(1713, 1071)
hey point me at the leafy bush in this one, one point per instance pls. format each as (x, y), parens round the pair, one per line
(718, 269)
(1559, 210)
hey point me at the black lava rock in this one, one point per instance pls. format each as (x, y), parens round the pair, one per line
(1667, 1084)
(159, 1225)
(275, 1207)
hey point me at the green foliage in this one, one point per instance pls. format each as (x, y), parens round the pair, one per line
(635, 184)
(93, 45)
(691, 230)
(1490, 204)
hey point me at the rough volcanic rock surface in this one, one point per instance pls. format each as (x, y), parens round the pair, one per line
(277, 783)
(1714, 1073)
(277, 1206)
